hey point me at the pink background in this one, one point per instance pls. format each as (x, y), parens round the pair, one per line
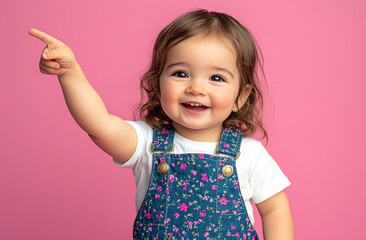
(55, 184)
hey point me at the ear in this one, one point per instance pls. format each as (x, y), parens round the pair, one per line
(242, 98)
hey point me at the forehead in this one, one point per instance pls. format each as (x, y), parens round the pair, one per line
(206, 39)
(204, 50)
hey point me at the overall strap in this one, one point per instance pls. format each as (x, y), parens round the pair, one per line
(162, 140)
(230, 142)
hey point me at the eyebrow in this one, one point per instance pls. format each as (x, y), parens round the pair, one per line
(215, 68)
(224, 70)
(175, 64)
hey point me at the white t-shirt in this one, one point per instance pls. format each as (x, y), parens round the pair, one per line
(259, 175)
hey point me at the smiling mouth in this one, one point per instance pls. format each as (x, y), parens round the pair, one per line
(194, 106)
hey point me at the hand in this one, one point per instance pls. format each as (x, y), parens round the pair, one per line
(57, 58)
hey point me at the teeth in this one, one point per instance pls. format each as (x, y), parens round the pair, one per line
(194, 104)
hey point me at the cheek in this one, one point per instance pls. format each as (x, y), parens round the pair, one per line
(225, 99)
(163, 100)
(167, 96)
(164, 93)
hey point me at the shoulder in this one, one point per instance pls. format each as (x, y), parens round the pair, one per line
(254, 156)
(140, 126)
(144, 131)
(252, 147)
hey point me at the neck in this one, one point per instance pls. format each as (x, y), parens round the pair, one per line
(199, 135)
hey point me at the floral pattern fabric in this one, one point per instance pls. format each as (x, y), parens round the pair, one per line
(194, 200)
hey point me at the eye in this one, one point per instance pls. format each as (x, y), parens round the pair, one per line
(180, 74)
(217, 78)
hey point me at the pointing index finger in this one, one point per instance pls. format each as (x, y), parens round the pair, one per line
(44, 37)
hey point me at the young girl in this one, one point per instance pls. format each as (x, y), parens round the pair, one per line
(195, 166)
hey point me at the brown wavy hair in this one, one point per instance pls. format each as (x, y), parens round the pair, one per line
(248, 118)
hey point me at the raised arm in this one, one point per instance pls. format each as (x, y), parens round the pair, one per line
(276, 218)
(110, 133)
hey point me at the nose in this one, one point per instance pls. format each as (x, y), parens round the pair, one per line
(196, 88)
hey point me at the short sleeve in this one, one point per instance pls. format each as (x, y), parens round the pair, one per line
(266, 178)
(141, 135)
(260, 177)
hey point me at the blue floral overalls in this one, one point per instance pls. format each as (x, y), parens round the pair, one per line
(193, 195)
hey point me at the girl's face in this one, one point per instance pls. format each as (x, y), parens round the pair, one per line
(199, 87)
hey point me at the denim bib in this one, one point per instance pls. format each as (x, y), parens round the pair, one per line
(194, 195)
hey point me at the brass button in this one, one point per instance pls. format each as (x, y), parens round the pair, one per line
(163, 168)
(227, 170)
